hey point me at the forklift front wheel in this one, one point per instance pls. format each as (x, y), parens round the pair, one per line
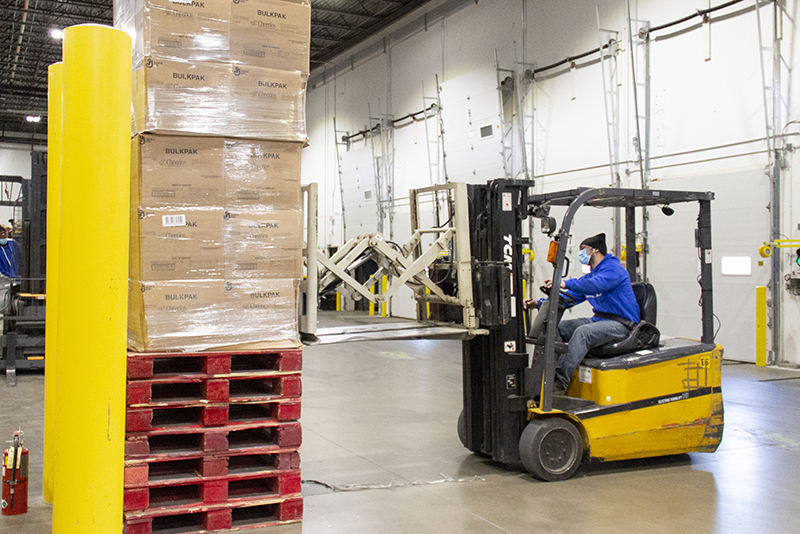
(462, 428)
(551, 449)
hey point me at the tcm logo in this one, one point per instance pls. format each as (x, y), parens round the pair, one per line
(272, 14)
(508, 250)
(228, 285)
(142, 214)
(237, 71)
(227, 216)
(146, 287)
(149, 63)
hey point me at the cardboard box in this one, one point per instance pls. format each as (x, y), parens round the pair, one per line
(192, 315)
(176, 244)
(176, 29)
(262, 173)
(218, 99)
(261, 244)
(267, 104)
(173, 171)
(181, 97)
(271, 33)
(264, 33)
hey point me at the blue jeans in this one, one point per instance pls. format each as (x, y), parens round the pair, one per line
(583, 335)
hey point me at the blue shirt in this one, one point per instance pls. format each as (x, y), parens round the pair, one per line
(607, 288)
(9, 259)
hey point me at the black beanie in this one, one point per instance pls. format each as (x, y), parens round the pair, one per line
(597, 242)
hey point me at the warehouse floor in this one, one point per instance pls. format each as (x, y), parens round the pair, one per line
(380, 455)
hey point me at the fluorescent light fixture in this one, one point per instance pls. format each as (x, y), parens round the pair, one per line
(57, 34)
(33, 118)
(737, 265)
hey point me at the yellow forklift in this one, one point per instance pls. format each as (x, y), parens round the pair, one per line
(644, 396)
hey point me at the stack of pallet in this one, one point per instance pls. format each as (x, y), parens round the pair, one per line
(211, 441)
(216, 236)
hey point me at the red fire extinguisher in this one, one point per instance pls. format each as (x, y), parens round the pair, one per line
(15, 477)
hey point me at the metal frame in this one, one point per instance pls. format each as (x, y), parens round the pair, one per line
(628, 199)
(404, 265)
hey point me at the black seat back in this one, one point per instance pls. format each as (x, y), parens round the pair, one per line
(645, 335)
(646, 299)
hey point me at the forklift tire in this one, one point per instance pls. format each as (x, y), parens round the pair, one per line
(462, 428)
(551, 449)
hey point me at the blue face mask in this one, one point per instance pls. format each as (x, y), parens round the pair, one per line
(3, 241)
(584, 256)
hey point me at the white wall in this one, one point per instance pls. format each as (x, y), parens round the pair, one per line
(703, 96)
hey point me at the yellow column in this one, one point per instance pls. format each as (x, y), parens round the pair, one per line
(761, 326)
(93, 281)
(372, 304)
(51, 311)
(384, 282)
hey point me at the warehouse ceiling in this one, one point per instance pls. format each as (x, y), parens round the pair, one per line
(27, 48)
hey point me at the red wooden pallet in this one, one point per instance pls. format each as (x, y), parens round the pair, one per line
(210, 518)
(253, 437)
(172, 364)
(187, 495)
(201, 414)
(189, 390)
(163, 472)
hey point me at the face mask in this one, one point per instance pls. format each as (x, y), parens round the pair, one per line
(3, 241)
(584, 256)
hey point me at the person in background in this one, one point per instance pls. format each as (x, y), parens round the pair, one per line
(608, 289)
(9, 254)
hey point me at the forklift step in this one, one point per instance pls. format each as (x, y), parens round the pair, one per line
(216, 517)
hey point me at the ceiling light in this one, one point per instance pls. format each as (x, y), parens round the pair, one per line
(57, 34)
(33, 118)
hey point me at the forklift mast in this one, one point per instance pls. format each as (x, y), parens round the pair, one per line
(495, 405)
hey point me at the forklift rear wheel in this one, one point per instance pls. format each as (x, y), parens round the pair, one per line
(462, 428)
(551, 449)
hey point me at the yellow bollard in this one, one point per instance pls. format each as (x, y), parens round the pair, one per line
(93, 281)
(372, 304)
(51, 312)
(761, 326)
(384, 282)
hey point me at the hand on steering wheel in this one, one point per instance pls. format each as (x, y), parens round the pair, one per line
(564, 298)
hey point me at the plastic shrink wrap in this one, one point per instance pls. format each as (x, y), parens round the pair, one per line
(275, 34)
(196, 315)
(216, 243)
(206, 98)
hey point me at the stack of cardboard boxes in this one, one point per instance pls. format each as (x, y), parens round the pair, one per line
(218, 122)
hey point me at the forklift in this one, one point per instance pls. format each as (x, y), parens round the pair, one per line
(644, 396)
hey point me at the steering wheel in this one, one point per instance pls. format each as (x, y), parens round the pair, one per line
(564, 299)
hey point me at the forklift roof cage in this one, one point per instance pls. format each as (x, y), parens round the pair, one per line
(630, 199)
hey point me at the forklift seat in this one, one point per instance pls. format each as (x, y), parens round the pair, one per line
(645, 335)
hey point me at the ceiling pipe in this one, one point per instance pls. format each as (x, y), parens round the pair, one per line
(19, 41)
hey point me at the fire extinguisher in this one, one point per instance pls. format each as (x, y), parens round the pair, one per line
(15, 477)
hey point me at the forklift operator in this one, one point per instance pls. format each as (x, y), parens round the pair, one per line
(608, 289)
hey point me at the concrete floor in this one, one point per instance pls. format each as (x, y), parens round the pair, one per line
(383, 413)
